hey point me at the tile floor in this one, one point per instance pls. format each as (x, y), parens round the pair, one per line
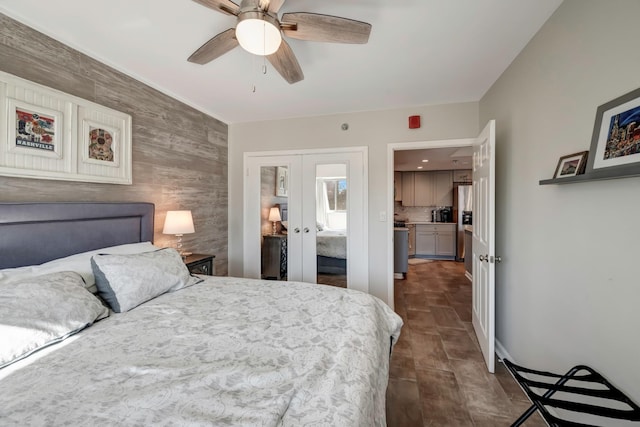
(437, 374)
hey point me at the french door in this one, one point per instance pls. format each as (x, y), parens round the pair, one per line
(321, 234)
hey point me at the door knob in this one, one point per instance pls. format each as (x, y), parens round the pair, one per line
(306, 229)
(484, 258)
(498, 259)
(297, 230)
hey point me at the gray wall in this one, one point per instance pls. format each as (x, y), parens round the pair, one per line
(179, 153)
(374, 129)
(568, 288)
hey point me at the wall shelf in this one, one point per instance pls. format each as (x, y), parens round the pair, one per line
(597, 175)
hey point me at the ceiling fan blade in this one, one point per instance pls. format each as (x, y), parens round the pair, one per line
(325, 28)
(272, 6)
(225, 6)
(217, 46)
(285, 63)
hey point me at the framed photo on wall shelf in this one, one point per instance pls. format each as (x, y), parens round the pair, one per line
(615, 144)
(571, 165)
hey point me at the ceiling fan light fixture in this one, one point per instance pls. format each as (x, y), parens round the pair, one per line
(258, 33)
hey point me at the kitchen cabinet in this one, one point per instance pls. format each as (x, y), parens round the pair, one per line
(443, 188)
(400, 246)
(424, 189)
(431, 188)
(397, 186)
(408, 189)
(437, 240)
(425, 241)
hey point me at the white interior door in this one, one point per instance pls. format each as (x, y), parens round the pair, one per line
(303, 173)
(483, 247)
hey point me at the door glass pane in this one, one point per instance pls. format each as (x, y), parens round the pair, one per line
(331, 224)
(274, 185)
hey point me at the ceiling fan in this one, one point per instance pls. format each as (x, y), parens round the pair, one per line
(259, 31)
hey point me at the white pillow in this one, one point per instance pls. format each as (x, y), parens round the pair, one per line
(126, 281)
(41, 310)
(80, 263)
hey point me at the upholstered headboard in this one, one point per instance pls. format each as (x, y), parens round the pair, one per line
(34, 233)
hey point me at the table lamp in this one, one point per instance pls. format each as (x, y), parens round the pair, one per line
(179, 223)
(274, 216)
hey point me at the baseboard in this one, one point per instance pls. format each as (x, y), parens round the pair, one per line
(502, 352)
(468, 276)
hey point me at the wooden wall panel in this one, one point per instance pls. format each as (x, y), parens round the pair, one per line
(179, 153)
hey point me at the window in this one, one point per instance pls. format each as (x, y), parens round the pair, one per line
(336, 194)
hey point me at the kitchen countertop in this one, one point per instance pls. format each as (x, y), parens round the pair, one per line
(400, 229)
(468, 228)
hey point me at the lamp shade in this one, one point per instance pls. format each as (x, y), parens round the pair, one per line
(274, 214)
(178, 222)
(258, 33)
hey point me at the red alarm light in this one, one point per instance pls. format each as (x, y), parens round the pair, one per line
(414, 122)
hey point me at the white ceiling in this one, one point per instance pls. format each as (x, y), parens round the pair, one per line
(437, 159)
(421, 52)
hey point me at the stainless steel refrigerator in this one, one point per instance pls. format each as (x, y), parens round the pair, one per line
(463, 203)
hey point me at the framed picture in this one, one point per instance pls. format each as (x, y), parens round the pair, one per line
(615, 144)
(571, 165)
(49, 134)
(34, 130)
(282, 181)
(100, 144)
(104, 144)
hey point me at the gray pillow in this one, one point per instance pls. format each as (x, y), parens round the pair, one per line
(39, 311)
(126, 281)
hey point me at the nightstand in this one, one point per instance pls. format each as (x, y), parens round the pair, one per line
(200, 264)
(274, 256)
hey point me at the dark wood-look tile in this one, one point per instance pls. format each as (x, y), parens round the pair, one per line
(482, 391)
(402, 366)
(403, 404)
(443, 403)
(446, 317)
(511, 388)
(421, 322)
(428, 352)
(459, 345)
(438, 357)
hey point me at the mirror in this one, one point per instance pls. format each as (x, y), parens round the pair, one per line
(274, 184)
(331, 224)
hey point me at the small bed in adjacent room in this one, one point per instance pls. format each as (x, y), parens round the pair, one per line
(165, 347)
(331, 250)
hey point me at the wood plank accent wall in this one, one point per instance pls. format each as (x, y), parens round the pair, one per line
(179, 153)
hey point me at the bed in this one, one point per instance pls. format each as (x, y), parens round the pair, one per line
(203, 351)
(331, 250)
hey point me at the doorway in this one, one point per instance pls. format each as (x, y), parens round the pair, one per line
(305, 217)
(483, 235)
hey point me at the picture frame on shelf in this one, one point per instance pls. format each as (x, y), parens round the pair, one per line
(615, 144)
(282, 181)
(571, 165)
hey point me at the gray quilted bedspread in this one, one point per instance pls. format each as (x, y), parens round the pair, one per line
(227, 351)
